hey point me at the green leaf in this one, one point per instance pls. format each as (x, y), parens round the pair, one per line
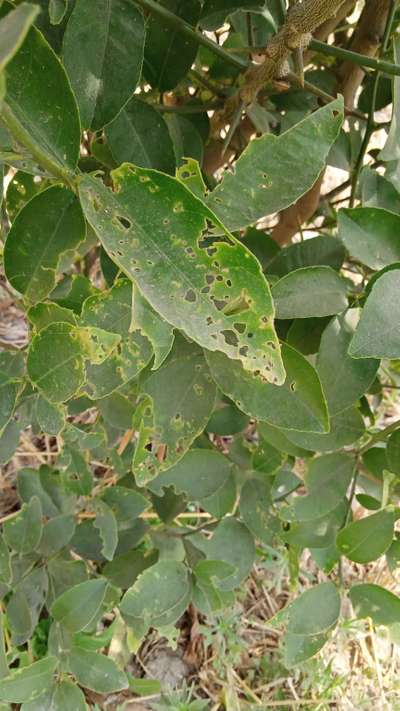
(214, 12)
(318, 533)
(168, 53)
(255, 503)
(367, 539)
(199, 474)
(318, 251)
(140, 135)
(77, 607)
(44, 314)
(391, 149)
(28, 683)
(104, 60)
(278, 439)
(315, 611)
(345, 428)
(158, 331)
(370, 235)
(26, 604)
(13, 30)
(217, 295)
(49, 225)
(227, 420)
(186, 140)
(299, 648)
(307, 292)
(51, 418)
(158, 597)
(5, 563)
(261, 183)
(77, 476)
(41, 111)
(63, 696)
(232, 543)
(11, 370)
(96, 672)
(393, 452)
(124, 569)
(327, 480)
(112, 311)
(57, 533)
(106, 524)
(378, 333)
(57, 11)
(23, 532)
(127, 504)
(56, 363)
(44, 483)
(374, 601)
(344, 379)
(299, 404)
(4, 671)
(176, 402)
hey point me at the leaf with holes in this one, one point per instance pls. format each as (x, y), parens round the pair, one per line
(103, 56)
(153, 228)
(47, 226)
(275, 171)
(297, 405)
(176, 404)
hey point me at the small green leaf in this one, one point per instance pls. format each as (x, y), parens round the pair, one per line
(106, 524)
(378, 333)
(260, 185)
(374, 601)
(327, 480)
(393, 452)
(78, 606)
(168, 53)
(232, 543)
(56, 362)
(139, 135)
(5, 563)
(344, 379)
(158, 597)
(371, 235)
(199, 474)
(126, 504)
(51, 418)
(217, 295)
(13, 30)
(63, 696)
(44, 314)
(391, 149)
(367, 539)
(23, 532)
(299, 404)
(308, 292)
(96, 672)
(158, 331)
(298, 648)
(11, 370)
(28, 683)
(255, 503)
(316, 252)
(103, 62)
(47, 226)
(345, 428)
(176, 402)
(57, 533)
(57, 10)
(315, 611)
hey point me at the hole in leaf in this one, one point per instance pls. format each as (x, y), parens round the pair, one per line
(126, 224)
(230, 337)
(239, 327)
(190, 296)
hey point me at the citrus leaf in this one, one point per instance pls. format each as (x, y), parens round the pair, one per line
(151, 226)
(149, 323)
(307, 292)
(96, 672)
(28, 683)
(297, 405)
(374, 601)
(13, 30)
(371, 235)
(233, 543)
(199, 474)
(103, 60)
(40, 108)
(78, 606)
(23, 532)
(106, 524)
(275, 171)
(367, 539)
(50, 224)
(315, 611)
(378, 333)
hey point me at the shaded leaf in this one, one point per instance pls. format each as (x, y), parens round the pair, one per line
(106, 524)
(199, 474)
(78, 606)
(13, 30)
(96, 671)
(371, 235)
(318, 251)
(23, 532)
(103, 61)
(232, 543)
